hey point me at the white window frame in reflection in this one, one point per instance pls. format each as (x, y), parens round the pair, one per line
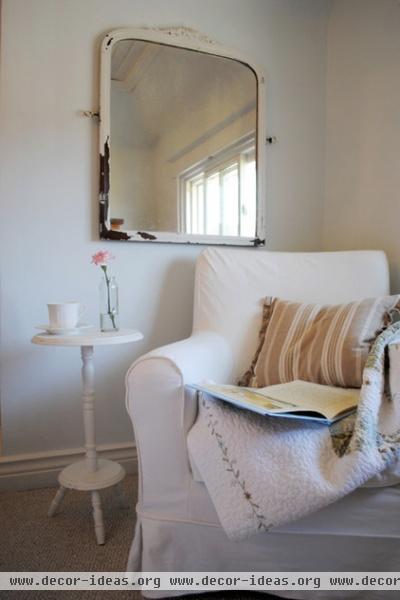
(217, 196)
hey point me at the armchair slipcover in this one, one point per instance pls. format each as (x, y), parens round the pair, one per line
(177, 527)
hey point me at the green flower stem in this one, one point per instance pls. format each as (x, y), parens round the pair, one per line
(109, 311)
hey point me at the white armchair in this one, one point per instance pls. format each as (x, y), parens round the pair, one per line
(178, 529)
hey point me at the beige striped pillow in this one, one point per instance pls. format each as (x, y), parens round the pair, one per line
(321, 344)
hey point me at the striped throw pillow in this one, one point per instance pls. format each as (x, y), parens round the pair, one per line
(321, 344)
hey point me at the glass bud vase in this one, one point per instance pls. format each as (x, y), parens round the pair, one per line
(109, 310)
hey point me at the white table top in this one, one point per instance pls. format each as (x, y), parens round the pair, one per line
(91, 337)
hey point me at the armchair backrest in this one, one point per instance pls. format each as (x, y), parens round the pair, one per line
(230, 285)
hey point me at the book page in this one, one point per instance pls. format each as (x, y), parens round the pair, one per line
(251, 396)
(327, 400)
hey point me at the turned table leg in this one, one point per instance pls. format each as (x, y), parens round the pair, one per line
(90, 435)
(88, 407)
(57, 501)
(98, 518)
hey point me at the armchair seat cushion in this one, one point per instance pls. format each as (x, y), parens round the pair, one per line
(389, 477)
(379, 509)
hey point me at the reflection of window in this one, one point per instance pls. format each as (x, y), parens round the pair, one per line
(218, 195)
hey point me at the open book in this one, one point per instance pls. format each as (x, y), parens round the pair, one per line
(297, 399)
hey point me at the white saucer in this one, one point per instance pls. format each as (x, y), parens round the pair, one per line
(63, 330)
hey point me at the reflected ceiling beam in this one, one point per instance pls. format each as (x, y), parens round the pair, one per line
(213, 130)
(131, 63)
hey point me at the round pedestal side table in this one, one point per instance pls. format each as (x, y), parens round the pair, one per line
(91, 474)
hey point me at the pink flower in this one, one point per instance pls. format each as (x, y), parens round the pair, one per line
(102, 257)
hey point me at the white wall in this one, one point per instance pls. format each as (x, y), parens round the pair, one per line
(362, 208)
(49, 71)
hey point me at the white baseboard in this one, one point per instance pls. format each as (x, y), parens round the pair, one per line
(40, 469)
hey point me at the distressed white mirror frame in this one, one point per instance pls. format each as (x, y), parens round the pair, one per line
(182, 37)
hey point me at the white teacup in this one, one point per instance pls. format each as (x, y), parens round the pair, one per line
(65, 315)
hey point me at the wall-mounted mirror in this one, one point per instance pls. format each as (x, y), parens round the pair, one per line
(180, 140)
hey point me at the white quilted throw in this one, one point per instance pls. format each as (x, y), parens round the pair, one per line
(263, 472)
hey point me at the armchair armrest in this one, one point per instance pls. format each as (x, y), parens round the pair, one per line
(162, 412)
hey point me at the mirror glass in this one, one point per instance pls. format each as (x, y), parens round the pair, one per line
(182, 142)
